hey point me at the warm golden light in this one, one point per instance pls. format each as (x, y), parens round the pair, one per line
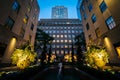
(118, 50)
(12, 43)
(107, 42)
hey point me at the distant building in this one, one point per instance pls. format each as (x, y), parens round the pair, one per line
(101, 24)
(18, 24)
(59, 12)
(63, 31)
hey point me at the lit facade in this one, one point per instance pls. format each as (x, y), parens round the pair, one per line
(63, 31)
(59, 12)
(18, 24)
(100, 20)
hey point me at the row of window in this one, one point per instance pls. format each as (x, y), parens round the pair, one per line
(63, 36)
(109, 22)
(62, 41)
(60, 27)
(58, 22)
(61, 52)
(61, 46)
(63, 31)
(102, 7)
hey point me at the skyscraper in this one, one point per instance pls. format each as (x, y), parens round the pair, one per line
(59, 12)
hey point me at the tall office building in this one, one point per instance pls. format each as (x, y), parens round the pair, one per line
(63, 31)
(101, 24)
(18, 24)
(59, 12)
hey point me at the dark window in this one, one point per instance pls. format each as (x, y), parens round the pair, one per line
(83, 8)
(85, 16)
(110, 22)
(90, 7)
(32, 26)
(87, 26)
(93, 18)
(25, 19)
(9, 23)
(16, 6)
(103, 6)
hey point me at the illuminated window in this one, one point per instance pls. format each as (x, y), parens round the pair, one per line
(66, 46)
(53, 35)
(53, 40)
(16, 6)
(61, 36)
(110, 22)
(58, 36)
(9, 23)
(66, 41)
(103, 6)
(61, 40)
(57, 40)
(25, 19)
(70, 41)
(62, 52)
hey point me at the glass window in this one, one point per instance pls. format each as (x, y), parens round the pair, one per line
(32, 26)
(66, 41)
(9, 23)
(110, 22)
(57, 40)
(103, 6)
(16, 6)
(65, 36)
(93, 18)
(69, 31)
(83, 8)
(87, 26)
(73, 31)
(25, 19)
(61, 36)
(53, 35)
(70, 41)
(61, 40)
(57, 31)
(90, 7)
(98, 33)
(57, 36)
(85, 16)
(65, 31)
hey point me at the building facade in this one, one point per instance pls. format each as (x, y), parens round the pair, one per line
(59, 12)
(63, 31)
(18, 24)
(101, 21)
